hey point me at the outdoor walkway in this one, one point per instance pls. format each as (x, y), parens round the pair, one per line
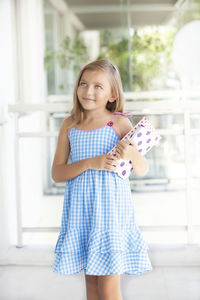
(40, 283)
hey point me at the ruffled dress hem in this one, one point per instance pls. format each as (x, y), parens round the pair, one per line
(125, 269)
(102, 252)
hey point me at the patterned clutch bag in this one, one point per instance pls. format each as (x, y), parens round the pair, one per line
(145, 136)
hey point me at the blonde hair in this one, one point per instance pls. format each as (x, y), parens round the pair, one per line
(77, 112)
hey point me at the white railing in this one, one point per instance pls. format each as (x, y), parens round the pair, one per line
(176, 103)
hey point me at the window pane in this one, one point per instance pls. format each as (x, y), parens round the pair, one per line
(195, 157)
(195, 121)
(161, 121)
(40, 207)
(32, 163)
(195, 201)
(32, 121)
(167, 159)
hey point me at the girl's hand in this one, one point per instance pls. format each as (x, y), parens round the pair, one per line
(107, 162)
(127, 152)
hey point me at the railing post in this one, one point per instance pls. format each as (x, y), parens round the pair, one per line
(188, 192)
(18, 182)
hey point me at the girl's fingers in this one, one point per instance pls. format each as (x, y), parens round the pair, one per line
(112, 163)
(113, 157)
(117, 153)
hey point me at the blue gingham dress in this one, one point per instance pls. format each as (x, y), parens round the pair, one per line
(98, 230)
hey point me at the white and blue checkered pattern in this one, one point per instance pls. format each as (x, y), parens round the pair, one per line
(98, 229)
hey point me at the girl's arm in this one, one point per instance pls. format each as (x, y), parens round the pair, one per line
(61, 171)
(139, 162)
(130, 152)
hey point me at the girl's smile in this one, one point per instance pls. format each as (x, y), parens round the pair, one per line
(88, 99)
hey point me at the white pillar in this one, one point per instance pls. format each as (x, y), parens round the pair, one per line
(30, 21)
(22, 79)
(8, 92)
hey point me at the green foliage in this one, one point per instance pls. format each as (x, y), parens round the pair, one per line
(71, 54)
(48, 58)
(151, 53)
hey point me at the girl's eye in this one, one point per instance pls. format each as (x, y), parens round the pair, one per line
(85, 83)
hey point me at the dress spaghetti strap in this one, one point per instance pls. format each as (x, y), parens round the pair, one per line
(124, 113)
(110, 123)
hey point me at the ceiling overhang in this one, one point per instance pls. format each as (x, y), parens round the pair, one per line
(113, 14)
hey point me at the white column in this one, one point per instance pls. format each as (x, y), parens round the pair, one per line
(22, 79)
(31, 46)
(8, 92)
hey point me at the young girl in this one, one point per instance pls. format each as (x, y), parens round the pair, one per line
(98, 230)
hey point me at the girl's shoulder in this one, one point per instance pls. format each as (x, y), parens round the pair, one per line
(68, 120)
(123, 125)
(67, 123)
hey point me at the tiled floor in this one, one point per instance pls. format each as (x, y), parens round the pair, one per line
(40, 283)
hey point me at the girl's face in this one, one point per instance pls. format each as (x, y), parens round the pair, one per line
(94, 90)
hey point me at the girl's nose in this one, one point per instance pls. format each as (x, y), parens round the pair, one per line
(89, 90)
